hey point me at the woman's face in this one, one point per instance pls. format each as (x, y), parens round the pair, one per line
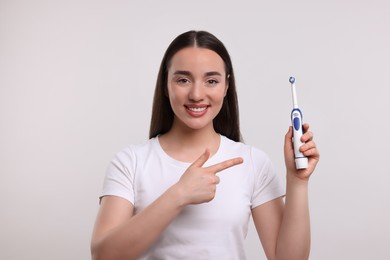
(196, 87)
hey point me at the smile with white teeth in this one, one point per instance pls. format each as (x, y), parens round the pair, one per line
(197, 109)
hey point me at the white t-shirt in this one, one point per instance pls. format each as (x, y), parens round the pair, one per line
(213, 230)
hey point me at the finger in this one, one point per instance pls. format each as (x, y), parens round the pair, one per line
(306, 137)
(312, 152)
(307, 146)
(287, 138)
(224, 165)
(202, 159)
(305, 127)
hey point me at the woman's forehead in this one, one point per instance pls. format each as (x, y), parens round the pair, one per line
(197, 58)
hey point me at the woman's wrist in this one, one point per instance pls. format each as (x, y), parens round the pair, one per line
(177, 195)
(293, 179)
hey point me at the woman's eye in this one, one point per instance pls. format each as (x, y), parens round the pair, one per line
(212, 82)
(182, 81)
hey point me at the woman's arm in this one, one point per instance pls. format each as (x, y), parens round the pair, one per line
(119, 234)
(294, 236)
(284, 230)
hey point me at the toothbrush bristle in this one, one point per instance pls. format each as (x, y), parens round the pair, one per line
(292, 80)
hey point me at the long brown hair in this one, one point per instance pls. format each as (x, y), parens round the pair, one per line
(227, 121)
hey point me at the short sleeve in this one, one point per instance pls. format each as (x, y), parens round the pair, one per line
(266, 182)
(119, 178)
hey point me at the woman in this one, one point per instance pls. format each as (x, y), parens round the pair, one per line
(188, 192)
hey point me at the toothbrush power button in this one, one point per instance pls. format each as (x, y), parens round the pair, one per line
(297, 123)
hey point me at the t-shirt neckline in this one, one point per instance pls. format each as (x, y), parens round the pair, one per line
(171, 160)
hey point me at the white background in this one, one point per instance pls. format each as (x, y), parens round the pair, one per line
(76, 85)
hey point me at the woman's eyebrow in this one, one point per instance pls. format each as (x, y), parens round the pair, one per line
(213, 73)
(188, 73)
(182, 72)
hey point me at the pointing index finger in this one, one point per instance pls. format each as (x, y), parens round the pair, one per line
(224, 165)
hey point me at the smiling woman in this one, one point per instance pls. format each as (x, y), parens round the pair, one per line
(196, 87)
(191, 189)
(227, 121)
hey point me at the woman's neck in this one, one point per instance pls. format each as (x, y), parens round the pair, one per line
(188, 144)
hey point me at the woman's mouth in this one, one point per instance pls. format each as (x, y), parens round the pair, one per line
(196, 111)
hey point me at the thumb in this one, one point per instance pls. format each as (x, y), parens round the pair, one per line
(202, 159)
(288, 139)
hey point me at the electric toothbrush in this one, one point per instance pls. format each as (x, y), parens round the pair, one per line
(301, 161)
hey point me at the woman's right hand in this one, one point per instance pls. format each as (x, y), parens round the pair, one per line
(198, 184)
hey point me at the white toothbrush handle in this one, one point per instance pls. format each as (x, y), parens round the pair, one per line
(301, 161)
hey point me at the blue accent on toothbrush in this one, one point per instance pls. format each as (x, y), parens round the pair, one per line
(297, 123)
(292, 80)
(297, 119)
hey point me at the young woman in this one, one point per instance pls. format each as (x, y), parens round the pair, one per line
(189, 191)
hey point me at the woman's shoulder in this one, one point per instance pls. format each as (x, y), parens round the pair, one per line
(243, 148)
(253, 156)
(132, 151)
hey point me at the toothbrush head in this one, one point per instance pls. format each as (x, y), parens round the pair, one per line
(292, 80)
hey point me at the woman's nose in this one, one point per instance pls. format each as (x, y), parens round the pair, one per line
(196, 92)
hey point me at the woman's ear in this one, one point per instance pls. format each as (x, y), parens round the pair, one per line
(227, 84)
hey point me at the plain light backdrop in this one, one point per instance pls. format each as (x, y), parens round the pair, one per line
(76, 85)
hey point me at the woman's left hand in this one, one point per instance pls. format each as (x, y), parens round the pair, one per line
(309, 149)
